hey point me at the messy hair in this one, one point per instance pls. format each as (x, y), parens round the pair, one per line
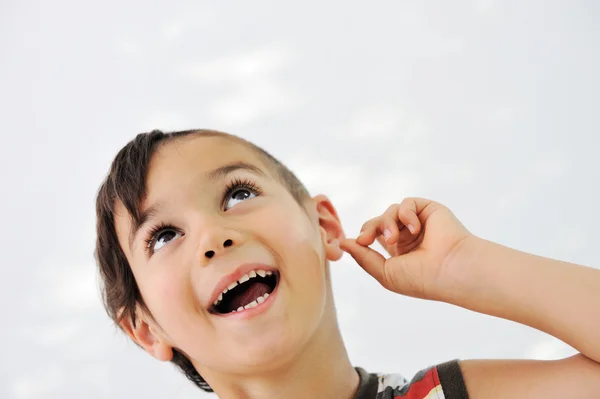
(126, 183)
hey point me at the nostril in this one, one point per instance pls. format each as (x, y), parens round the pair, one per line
(227, 243)
(209, 254)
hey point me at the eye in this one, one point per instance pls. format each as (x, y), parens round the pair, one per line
(239, 195)
(162, 238)
(239, 190)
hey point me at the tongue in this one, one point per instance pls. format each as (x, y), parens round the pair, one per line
(254, 290)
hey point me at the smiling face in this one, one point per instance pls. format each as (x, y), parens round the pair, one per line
(215, 215)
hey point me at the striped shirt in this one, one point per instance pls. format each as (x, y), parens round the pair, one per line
(444, 381)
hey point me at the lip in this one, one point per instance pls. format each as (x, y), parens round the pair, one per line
(235, 276)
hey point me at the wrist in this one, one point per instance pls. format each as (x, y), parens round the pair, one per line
(487, 277)
(461, 274)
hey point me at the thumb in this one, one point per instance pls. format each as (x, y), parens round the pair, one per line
(370, 260)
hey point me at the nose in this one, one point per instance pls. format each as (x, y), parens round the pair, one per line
(215, 237)
(226, 244)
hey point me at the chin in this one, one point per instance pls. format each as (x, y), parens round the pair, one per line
(274, 348)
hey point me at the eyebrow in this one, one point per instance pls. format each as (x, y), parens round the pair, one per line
(211, 176)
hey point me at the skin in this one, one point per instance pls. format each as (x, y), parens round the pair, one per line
(294, 350)
(433, 256)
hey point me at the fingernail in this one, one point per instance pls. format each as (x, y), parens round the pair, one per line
(387, 234)
(411, 228)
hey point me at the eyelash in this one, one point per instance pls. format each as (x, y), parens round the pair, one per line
(154, 233)
(230, 189)
(237, 184)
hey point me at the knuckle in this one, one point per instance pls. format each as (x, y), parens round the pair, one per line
(389, 221)
(388, 278)
(365, 226)
(391, 213)
(391, 209)
(372, 223)
(404, 213)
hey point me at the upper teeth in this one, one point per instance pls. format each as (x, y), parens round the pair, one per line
(243, 279)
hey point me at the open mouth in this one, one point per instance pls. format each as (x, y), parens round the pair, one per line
(249, 291)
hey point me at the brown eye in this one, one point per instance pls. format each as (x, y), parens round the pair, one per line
(163, 238)
(238, 196)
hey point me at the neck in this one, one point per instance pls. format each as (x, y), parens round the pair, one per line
(321, 370)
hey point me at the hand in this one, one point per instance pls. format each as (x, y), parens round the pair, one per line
(420, 235)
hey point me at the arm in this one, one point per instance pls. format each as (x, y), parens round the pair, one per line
(556, 297)
(433, 256)
(574, 377)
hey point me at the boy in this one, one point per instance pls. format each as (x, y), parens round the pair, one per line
(214, 256)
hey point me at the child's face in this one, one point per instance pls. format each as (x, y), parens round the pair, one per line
(178, 278)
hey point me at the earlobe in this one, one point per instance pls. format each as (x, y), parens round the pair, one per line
(330, 227)
(333, 250)
(148, 337)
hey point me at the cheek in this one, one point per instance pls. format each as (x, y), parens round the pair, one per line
(166, 290)
(297, 242)
(168, 296)
(290, 231)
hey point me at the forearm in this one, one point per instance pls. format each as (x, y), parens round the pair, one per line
(573, 377)
(559, 298)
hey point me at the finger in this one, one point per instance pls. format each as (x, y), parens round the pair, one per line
(408, 214)
(370, 260)
(390, 248)
(369, 231)
(389, 226)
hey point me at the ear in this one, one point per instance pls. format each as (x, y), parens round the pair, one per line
(330, 227)
(147, 334)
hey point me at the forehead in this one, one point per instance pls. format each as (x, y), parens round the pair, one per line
(185, 159)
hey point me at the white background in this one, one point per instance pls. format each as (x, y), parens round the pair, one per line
(489, 107)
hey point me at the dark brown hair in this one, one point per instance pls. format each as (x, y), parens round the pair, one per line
(126, 182)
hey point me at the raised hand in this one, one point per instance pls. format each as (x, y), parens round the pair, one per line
(420, 235)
